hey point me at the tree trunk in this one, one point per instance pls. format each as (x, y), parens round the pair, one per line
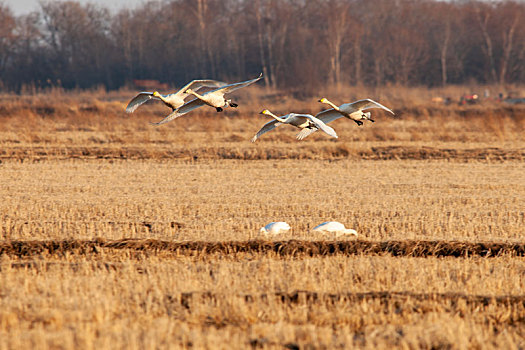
(444, 49)
(507, 49)
(261, 44)
(489, 51)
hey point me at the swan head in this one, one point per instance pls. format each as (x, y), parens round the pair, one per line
(323, 100)
(188, 91)
(265, 112)
(156, 94)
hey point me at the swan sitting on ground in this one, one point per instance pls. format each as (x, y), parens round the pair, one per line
(352, 111)
(275, 228)
(214, 98)
(334, 227)
(174, 100)
(301, 121)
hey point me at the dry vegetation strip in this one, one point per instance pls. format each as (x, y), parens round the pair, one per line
(294, 248)
(303, 297)
(247, 152)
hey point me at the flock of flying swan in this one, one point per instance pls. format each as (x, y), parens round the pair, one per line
(307, 123)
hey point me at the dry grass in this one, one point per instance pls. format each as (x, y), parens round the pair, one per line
(115, 234)
(231, 199)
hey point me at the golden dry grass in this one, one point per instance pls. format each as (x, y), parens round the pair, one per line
(75, 168)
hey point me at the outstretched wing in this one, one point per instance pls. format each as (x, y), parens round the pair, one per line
(326, 117)
(318, 124)
(197, 84)
(266, 127)
(232, 87)
(366, 104)
(187, 107)
(139, 100)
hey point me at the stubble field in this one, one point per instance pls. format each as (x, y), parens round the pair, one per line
(117, 234)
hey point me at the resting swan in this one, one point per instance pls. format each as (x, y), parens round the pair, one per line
(334, 227)
(301, 121)
(275, 228)
(214, 98)
(352, 111)
(174, 100)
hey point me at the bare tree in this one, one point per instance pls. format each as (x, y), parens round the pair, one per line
(7, 36)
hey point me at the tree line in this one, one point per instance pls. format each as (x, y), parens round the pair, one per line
(295, 43)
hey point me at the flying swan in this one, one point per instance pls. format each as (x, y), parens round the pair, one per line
(275, 228)
(174, 100)
(301, 121)
(352, 111)
(214, 98)
(334, 227)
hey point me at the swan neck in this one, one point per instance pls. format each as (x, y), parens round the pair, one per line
(279, 119)
(332, 105)
(350, 231)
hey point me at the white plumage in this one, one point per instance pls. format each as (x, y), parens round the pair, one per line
(334, 227)
(275, 228)
(174, 100)
(214, 98)
(301, 121)
(353, 111)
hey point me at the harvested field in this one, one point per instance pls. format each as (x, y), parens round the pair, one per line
(115, 234)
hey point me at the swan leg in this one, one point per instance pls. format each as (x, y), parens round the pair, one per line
(358, 122)
(373, 121)
(219, 109)
(234, 105)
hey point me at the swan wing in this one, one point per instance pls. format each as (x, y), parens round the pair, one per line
(319, 124)
(304, 133)
(322, 126)
(187, 107)
(266, 127)
(197, 84)
(232, 87)
(366, 104)
(139, 100)
(328, 115)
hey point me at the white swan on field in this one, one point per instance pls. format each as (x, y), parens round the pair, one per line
(275, 228)
(352, 111)
(301, 121)
(174, 100)
(334, 227)
(214, 98)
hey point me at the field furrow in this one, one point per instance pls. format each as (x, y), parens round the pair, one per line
(292, 248)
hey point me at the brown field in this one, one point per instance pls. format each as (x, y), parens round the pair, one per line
(117, 234)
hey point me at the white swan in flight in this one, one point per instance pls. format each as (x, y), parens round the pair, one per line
(301, 121)
(275, 228)
(334, 227)
(214, 98)
(174, 100)
(352, 111)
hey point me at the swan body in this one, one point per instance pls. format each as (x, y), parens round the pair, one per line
(334, 227)
(174, 100)
(353, 111)
(301, 121)
(214, 98)
(275, 228)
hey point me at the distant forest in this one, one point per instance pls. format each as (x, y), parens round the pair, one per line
(295, 43)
